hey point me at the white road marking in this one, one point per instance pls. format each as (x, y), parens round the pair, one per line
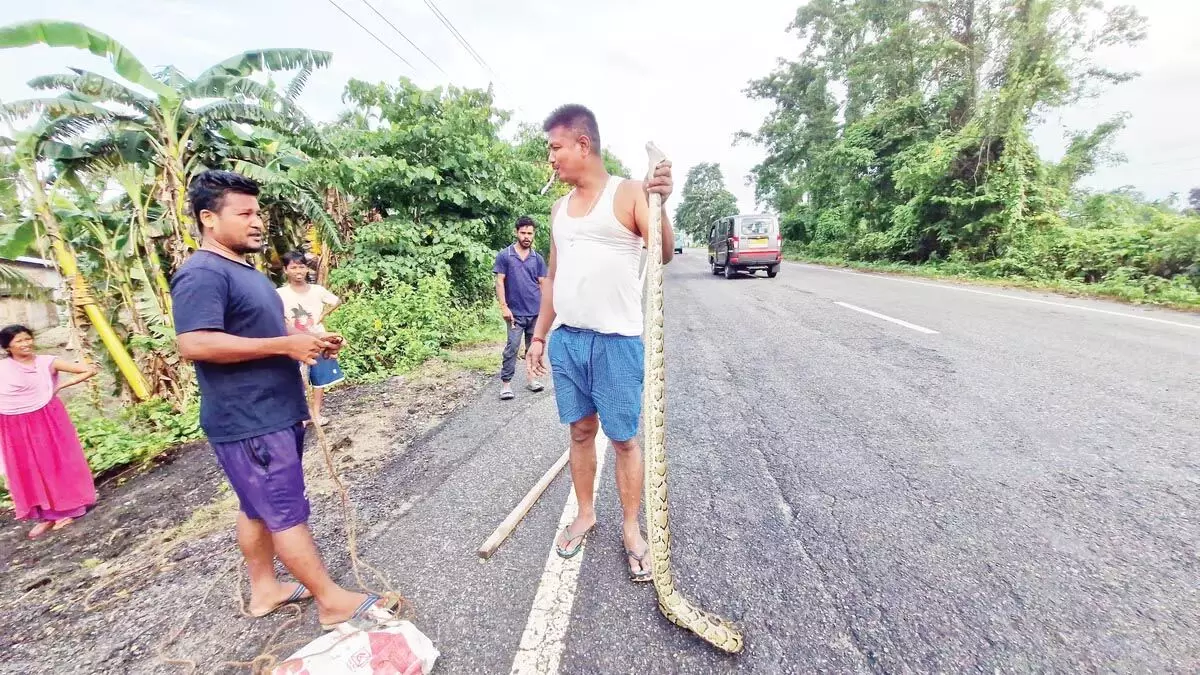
(545, 634)
(877, 315)
(885, 277)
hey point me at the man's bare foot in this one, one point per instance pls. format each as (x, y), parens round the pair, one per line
(344, 605)
(40, 529)
(266, 600)
(571, 539)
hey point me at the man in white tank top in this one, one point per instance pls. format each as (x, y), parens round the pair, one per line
(596, 357)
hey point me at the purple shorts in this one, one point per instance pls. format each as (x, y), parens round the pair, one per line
(267, 477)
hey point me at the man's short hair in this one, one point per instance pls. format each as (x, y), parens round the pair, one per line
(577, 118)
(294, 257)
(208, 189)
(526, 221)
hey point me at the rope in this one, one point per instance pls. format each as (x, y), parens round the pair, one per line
(162, 647)
(267, 658)
(349, 515)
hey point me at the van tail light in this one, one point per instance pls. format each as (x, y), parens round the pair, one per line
(733, 242)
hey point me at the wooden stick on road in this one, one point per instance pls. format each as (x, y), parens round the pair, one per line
(510, 523)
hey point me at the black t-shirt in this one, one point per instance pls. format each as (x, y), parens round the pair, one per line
(238, 400)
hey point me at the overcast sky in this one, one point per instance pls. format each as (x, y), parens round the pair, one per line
(668, 72)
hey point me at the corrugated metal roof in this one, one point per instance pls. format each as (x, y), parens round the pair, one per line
(30, 261)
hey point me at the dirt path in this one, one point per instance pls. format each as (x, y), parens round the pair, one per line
(152, 573)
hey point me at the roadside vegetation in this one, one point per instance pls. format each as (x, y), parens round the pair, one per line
(900, 139)
(404, 197)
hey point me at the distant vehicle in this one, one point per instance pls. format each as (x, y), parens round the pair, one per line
(679, 237)
(745, 243)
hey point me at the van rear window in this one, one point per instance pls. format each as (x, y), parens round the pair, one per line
(756, 227)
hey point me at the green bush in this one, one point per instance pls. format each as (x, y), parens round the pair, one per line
(136, 434)
(399, 327)
(397, 252)
(1110, 244)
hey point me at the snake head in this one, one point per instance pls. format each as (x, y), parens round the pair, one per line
(655, 155)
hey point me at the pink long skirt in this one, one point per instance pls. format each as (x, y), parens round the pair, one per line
(43, 461)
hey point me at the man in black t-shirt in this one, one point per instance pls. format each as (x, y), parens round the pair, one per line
(229, 321)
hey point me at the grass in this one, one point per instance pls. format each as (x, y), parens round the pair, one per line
(475, 360)
(216, 516)
(477, 350)
(489, 329)
(1123, 291)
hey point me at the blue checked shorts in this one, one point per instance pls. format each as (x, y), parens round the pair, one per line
(598, 373)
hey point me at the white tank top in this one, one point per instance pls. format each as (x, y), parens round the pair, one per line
(597, 284)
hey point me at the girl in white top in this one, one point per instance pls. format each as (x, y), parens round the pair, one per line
(305, 306)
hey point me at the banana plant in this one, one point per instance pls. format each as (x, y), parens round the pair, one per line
(26, 155)
(175, 120)
(116, 234)
(17, 231)
(133, 179)
(294, 201)
(114, 242)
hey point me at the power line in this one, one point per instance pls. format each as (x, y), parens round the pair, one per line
(401, 33)
(458, 36)
(377, 38)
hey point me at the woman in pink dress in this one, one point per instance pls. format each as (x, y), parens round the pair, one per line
(46, 471)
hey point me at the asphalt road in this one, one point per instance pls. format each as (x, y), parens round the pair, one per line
(1008, 481)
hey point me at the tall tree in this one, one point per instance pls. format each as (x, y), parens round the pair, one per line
(902, 131)
(705, 199)
(614, 165)
(438, 189)
(148, 133)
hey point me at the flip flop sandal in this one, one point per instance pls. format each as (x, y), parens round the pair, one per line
(507, 395)
(296, 596)
(571, 551)
(647, 574)
(535, 386)
(368, 615)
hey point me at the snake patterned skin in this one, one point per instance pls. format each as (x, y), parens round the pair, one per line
(716, 630)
